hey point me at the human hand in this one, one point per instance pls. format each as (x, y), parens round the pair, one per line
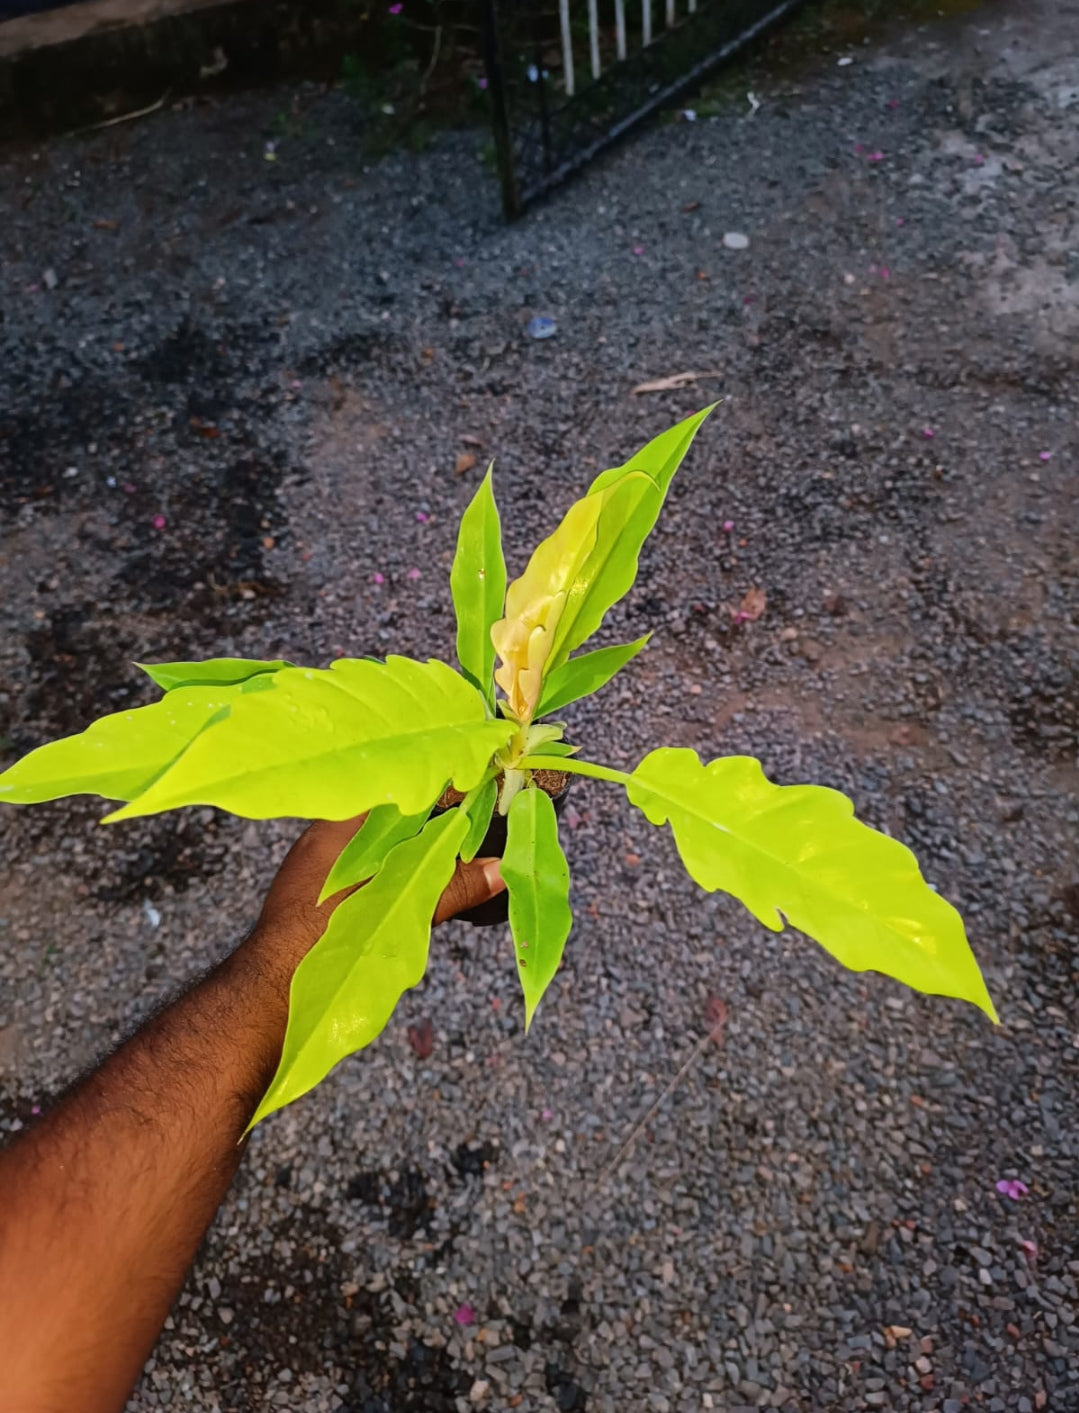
(291, 905)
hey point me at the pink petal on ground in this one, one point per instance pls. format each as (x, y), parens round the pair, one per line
(413, 573)
(728, 526)
(928, 432)
(979, 160)
(377, 578)
(885, 273)
(638, 250)
(421, 517)
(35, 1109)
(1044, 455)
(1013, 1188)
(548, 1115)
(129, 489)
(900, 221)
(159, 522)
(875, 157)
(465, 1315)
(1029, 1250)
(396, 9)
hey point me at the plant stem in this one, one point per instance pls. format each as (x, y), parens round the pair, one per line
(575, 767)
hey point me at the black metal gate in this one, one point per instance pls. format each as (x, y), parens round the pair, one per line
(568, 77)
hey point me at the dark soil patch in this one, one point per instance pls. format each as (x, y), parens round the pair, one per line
(401, 1199)
(1045, 713)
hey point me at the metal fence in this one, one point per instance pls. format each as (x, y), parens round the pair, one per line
(568, 77)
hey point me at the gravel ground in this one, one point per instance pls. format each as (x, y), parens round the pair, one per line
(284, 361)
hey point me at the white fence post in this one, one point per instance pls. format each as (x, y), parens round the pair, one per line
(620, 27)
(593, 36)
(567, 47)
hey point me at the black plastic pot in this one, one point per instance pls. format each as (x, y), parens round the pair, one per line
(497, 909)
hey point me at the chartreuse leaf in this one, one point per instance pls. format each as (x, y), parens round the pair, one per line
(374, 948)
(581, 676)
(478, 585)
(537, 877)
(634, 495)
(363, 855)
(119, 755)
(214, 672)
(554, 748)
(479, 809)
(329, 744)
(796, 851)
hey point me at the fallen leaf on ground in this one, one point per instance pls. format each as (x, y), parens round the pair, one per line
(715, 1011)
(465, 462)
(421, 1037)
(675, 380)
(752, 606)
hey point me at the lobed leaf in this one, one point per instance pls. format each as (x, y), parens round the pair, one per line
(796, 851)
(537, 877)
(332, 743)
(214, 672)
(374, 948)
(363, 855)
(118, 756)
(581, 676)
(478, 586)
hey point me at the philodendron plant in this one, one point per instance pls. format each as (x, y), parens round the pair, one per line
(264, 739)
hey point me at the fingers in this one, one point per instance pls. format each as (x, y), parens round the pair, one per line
(472, 883)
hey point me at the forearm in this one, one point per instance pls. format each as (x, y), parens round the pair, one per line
(104, 1203)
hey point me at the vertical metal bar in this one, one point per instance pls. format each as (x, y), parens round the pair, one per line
(593, 36)
(646, 21)
(692, 7)
(541, 91)
(567, 47)
(620, 27)
(500, 124)
(670, 13)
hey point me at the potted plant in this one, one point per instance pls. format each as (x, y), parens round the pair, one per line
(396, 738)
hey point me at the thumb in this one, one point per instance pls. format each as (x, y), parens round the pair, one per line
(472, 883)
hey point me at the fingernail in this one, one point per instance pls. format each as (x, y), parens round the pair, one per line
(492, 872)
